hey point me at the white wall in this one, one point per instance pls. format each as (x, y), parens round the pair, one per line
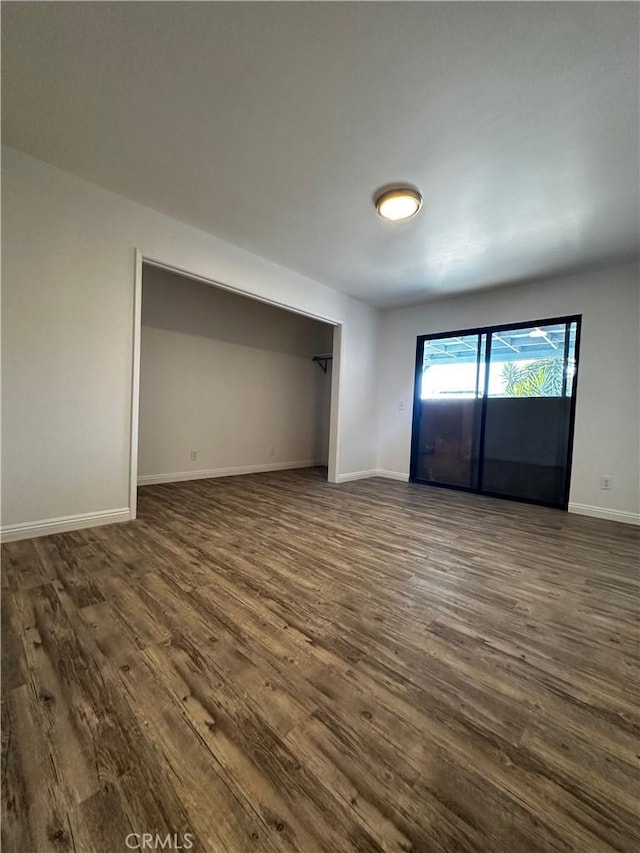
(230, 377)
(67, 323)
(607, 430)
(67, 317)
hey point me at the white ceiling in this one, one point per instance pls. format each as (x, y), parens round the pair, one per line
(272, 125)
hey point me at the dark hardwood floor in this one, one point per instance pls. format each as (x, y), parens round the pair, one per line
(272, 663)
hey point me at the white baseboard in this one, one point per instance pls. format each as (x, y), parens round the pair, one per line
(179, 476)
(373, 472)
(608, 514)
(356, 475)
(392, 475)
(13, 532)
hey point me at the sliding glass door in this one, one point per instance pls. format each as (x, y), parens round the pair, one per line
(493, 410)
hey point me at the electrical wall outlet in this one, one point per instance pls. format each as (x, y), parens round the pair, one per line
(606, 482)
(194, 455)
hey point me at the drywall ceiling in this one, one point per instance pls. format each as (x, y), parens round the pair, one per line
(272, 125)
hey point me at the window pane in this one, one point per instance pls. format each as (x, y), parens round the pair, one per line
(528, 362)
(450, 368)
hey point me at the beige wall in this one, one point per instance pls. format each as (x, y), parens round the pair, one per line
(607, 430)
(229, 377)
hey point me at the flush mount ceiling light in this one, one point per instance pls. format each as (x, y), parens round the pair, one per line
(398, 203)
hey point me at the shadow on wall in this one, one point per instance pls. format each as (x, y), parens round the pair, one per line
(179, 304)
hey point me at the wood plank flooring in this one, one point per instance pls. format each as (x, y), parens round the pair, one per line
(273, 663)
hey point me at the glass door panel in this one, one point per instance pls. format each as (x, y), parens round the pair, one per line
(528, 412)
(493, 410)
(448, 410)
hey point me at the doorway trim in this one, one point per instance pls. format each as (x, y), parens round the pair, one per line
(139, 260)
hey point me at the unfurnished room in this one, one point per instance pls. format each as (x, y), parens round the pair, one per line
(320, 484)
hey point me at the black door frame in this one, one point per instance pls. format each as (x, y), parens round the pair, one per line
(489, 330)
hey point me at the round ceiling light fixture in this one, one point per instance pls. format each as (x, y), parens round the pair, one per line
(398, 203)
